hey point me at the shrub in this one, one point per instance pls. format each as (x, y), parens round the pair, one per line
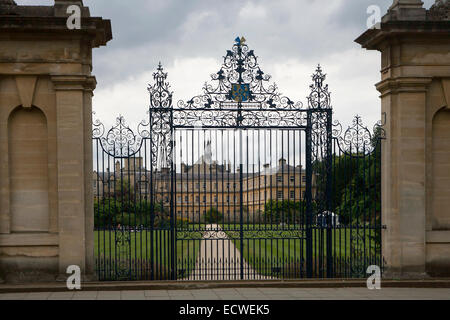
(213, 216)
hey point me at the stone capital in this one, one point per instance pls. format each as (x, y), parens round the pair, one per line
(403, 84)
(73, 83)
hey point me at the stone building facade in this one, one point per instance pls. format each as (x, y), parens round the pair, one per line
(415, 97)
(46, 87)
(207, 184)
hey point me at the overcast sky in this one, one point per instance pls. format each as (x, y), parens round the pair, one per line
(190, 37)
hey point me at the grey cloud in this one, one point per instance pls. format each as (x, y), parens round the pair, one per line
(310, 31)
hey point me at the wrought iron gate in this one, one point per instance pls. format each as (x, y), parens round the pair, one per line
(239, 182)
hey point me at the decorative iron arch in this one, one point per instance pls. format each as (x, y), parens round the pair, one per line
(357, 140)
(240, 95)
(120, 140)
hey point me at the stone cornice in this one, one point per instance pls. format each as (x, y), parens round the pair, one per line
(373, 38)
(97, 30)
(403, 84)
(73, 82)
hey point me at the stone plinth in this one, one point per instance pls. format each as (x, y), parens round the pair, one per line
(46, 87)
(415, 97)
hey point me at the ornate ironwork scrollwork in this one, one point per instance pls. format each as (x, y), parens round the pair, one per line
(357, 244)
(357, 138)
(98, 129)
(161, 121)
(320, 97)
(123, 245)
(160, 94)
(121, 141)
(241, 95)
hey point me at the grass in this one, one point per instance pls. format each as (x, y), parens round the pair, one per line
(284, 248)
(136, 252)
(265, 248)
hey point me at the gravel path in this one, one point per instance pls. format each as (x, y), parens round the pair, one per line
(219, 259)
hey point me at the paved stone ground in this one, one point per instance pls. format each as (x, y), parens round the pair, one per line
(243, 294)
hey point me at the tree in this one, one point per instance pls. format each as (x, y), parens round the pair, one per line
(285, 211)
(213, 216)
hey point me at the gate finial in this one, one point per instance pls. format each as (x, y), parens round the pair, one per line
(320, 97)
(160, 94)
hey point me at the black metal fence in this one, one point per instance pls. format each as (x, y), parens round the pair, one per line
(239, 182)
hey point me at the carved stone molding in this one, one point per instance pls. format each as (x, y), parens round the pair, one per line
(440, 10)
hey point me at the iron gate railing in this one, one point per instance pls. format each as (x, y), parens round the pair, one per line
(239, 182)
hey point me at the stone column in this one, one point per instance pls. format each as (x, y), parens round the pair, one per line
(414, 47)
(46, 90)
(74, 155)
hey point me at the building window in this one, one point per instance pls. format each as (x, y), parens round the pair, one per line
(280, 179)
(197, 186)
(280, 195)
(186, 199)
(197, 198)
(292, 194)
(204, 185)
(204, 199)
(304, 179)
(292, 178)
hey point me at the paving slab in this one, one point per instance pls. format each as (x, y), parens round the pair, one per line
(263, 294)
(85, 295)
(132, 295)
(61, 296)
(13, 296)
(37, 296)
(156, 293)
(109, 295)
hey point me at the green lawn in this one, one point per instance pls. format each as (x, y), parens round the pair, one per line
(134, 251)
(285, 248)
(265, 247)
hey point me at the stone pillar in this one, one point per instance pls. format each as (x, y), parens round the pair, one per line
(46, 88)
(415, 68)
